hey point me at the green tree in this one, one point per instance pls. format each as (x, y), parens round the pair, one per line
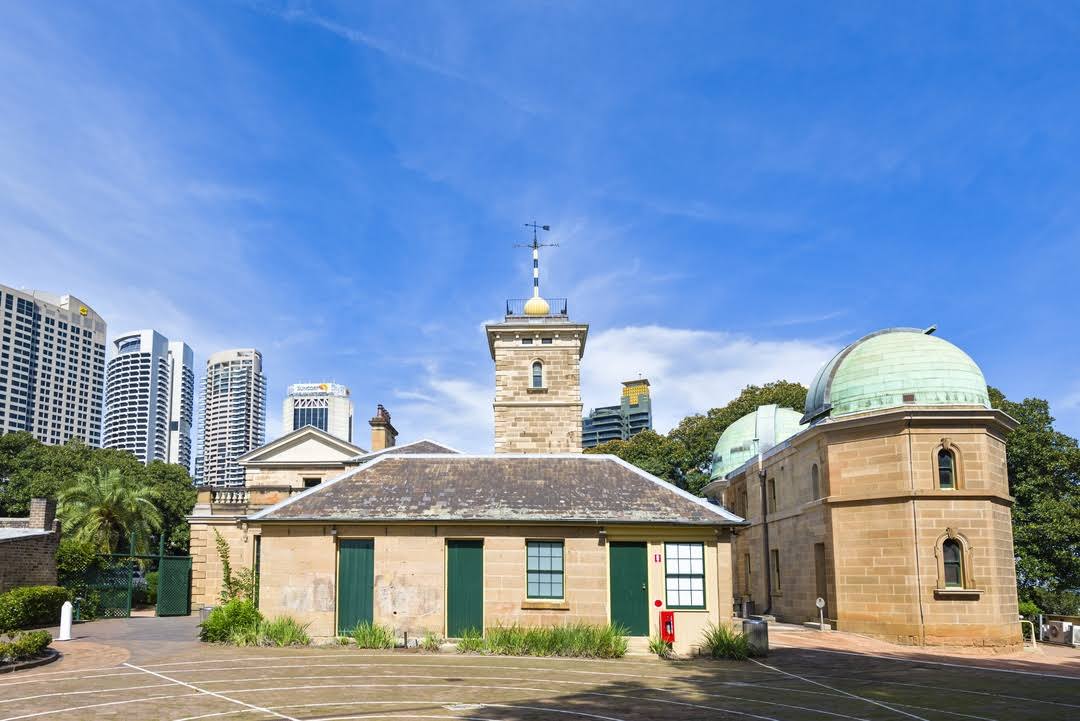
(176, 499)
(1044, 477)
(684, 456)
(653, 453)
(104, 507)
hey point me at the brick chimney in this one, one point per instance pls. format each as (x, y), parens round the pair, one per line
(383, 433)
(42, 514)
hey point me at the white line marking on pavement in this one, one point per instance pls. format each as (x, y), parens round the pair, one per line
(81, 693)
(840, 691)
(214, 693)
(965, 666)
(95, 705)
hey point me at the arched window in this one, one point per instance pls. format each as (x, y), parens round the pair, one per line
(537, 374)
(946, 463)
(952, 554)
(815, 482)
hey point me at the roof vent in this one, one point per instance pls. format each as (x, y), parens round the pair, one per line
(931, 330)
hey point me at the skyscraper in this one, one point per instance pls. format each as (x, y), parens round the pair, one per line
(148, 400)
(621, 422)
(52, 367)
(326, 406)
(234, 414)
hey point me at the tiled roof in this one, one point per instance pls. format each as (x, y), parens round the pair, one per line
(423, 446)
(504, 488)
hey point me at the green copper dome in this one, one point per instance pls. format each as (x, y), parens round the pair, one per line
(754, 433)
(895, 367)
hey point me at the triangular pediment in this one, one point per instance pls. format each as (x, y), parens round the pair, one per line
(304, 446)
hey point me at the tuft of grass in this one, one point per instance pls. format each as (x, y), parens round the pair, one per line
(723, 641)
(578, 640)
(471, 641)
(431, 642)
(231, 622)
(660, 647)
(283, 631)
(372, 635)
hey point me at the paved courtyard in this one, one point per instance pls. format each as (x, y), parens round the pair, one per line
(151, 668)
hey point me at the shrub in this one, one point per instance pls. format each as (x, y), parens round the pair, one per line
(725, 642)
(31, 606)
(231, 622)
(151, 587)
(234, 585)
(372, 635)
(471, 641)
(74, 559)
(24, 645)
(660, 647)
(431, 642)
(580, 640)
(1029, 610)
(283, 631)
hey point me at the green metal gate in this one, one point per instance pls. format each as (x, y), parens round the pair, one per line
(110, 583)
(356, 583)
(174, 586)
(464, 587)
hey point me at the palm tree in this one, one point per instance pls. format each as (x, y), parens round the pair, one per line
(105, 506)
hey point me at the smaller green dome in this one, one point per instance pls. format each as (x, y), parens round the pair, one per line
(892, 368)
(754, 433)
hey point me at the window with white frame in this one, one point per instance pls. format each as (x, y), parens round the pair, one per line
(685, 575)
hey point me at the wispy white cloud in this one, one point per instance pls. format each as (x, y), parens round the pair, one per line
(690, 370)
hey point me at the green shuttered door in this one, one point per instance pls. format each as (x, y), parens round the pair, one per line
(464, 587)
(629, 587)
(356, 583)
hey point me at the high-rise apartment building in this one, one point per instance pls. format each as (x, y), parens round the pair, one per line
(327, 406)
(621, 422)
(149, 394)
(234, 414)
(52, 367)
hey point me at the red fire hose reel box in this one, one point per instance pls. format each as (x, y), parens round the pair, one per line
(667, 626)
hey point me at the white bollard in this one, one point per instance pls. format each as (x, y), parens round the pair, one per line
(65, 622)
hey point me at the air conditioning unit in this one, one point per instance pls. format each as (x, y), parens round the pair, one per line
(1058, 632)
(1075, 636)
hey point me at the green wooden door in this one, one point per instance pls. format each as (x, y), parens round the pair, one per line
(356, 583)
(464, 587)
(630, 587)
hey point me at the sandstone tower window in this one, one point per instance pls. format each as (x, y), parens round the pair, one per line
(537, 374)
(952, 555)
(748, 575)
(955, 575)
(775, 553)
(685, 575)
(815, 482)
(946, 463)
(544, 567)
(526, 341)
(772, 496)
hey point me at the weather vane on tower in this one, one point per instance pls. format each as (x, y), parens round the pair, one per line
(536, 301)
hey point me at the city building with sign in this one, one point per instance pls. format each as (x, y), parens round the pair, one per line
(326, 406)
(52, 374)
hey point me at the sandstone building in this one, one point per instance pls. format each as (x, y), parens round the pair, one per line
(424, 539)
(888, 498)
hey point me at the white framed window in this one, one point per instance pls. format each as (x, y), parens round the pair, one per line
(685, 575)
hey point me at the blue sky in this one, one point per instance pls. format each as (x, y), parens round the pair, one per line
(738, 189)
